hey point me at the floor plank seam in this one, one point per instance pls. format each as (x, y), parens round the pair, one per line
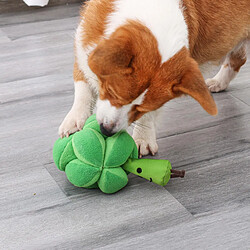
(214, 158)
(238, 99)
(35, 50)
(30, 98)
(211, 125)
(36, 76)
(57, 184)
(40, 210)
(33, 22)
(41, 33)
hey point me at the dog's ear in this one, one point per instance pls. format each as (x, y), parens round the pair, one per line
(180, 75)
(192, 83)
(112, 56)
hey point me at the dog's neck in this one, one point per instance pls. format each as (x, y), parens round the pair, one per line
(163, 18)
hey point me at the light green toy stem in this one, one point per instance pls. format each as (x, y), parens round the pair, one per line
(157, 171)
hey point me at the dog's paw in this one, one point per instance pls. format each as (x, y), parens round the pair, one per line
(215, 85)
(146, 145)
(73, 122)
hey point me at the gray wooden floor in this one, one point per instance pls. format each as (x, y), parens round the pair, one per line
(40, 209)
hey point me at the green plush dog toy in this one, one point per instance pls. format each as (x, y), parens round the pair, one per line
(92, 160)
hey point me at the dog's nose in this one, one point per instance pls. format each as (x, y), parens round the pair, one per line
(106, 130)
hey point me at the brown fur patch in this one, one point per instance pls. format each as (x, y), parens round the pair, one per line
(94, 16)
(77, 74)
(179, 75)
(125, 67)
(216, 27)
(237, 59)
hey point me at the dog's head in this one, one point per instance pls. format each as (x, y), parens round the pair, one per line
(134, 81)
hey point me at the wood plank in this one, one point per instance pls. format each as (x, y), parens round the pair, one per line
(23, 90)
(185, 114)
(215, 184)
(35, 43)
(35, 133)
(38, 63)
(27, 29)
(185, 149)
(7, 6)
(27, 192)
(243, 95)
(228, 229)
(39, 14)
(92, 221)
(3, 38)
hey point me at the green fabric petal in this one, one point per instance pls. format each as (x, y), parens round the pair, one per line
(67, 156)
(63, 152)
(134, 153)
(89, 147)
(81, 174)
(90, 119)
(94, 186)
(92, 123)
(112, 180)
(119, 147)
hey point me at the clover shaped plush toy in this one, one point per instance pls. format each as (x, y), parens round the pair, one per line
(93, 160)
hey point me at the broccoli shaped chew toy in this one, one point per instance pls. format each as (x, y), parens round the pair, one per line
(92, 160)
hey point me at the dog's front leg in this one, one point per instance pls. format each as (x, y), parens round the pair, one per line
(80, 111)
(144, 134)
(82, 106)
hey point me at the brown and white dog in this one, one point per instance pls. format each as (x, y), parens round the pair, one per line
(132, 56)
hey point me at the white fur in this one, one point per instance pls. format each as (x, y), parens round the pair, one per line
(144, 134)
(82, 54)
(222, 79)
(108, 114)
(80, 110)
(163, 17)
